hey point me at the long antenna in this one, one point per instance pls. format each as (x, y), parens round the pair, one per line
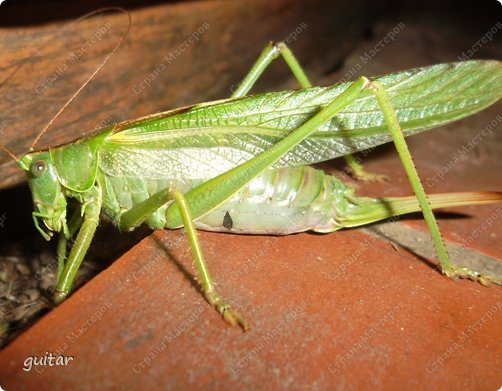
(117, 46)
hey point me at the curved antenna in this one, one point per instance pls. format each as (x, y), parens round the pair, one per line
(117, 46)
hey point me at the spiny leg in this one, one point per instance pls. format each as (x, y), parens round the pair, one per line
(272, 51)
(137, 215)
(397, 135)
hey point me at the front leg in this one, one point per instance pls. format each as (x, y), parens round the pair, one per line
(74, 224)
(90, 211)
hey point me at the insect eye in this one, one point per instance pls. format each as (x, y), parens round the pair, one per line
(38, 168)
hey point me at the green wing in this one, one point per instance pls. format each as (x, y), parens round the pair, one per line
(205, 140)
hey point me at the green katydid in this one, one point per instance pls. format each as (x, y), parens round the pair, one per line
(241, 165)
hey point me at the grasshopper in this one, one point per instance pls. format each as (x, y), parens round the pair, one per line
(242, 165)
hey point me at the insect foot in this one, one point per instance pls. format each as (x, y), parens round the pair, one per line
(463, 272)
(59, 296)
(365, 176)
(229, 316)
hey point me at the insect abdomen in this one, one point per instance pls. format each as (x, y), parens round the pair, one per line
(280, 202)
